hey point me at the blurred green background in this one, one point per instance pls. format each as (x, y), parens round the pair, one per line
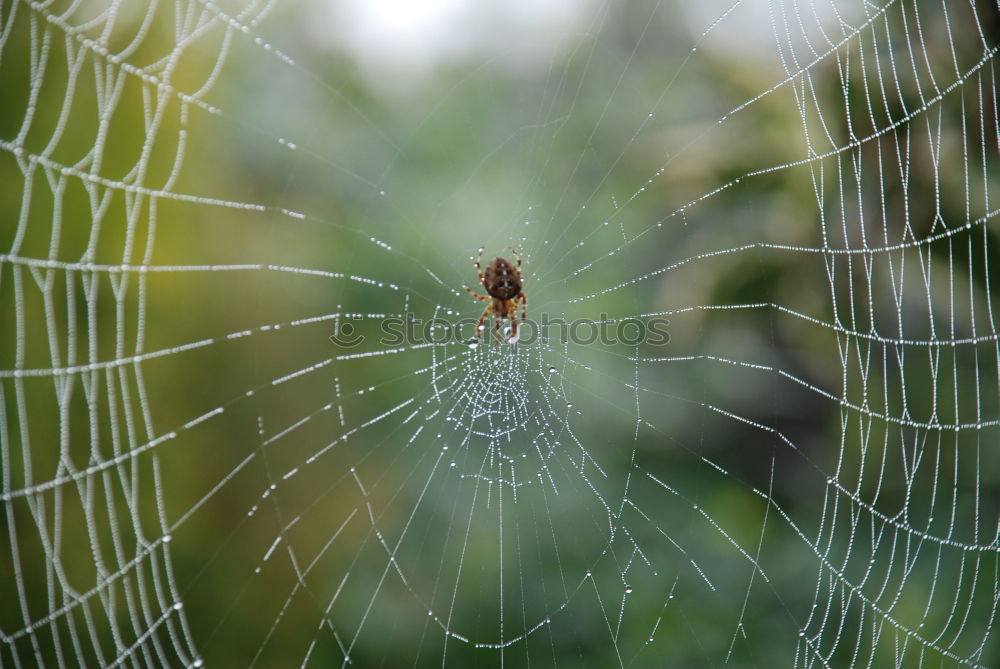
(196, 195)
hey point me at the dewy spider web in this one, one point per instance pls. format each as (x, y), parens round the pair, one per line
(196, 196)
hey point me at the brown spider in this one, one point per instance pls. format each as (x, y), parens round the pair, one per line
(503, 283)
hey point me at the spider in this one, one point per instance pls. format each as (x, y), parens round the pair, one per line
(502, 282)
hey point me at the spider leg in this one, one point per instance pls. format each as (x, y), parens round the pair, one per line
(496, 331)
(479, 270)
(513, 314)
(474, 294)
(482, 319)
(518, 256)
(512, 310)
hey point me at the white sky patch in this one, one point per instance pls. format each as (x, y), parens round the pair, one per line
(405, 40)
(750, 29)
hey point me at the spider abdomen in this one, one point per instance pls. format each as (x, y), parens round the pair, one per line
(501, 279)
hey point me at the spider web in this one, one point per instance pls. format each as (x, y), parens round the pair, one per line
(197, 195)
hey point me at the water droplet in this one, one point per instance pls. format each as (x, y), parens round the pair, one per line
(473, 344)
(628, 589)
